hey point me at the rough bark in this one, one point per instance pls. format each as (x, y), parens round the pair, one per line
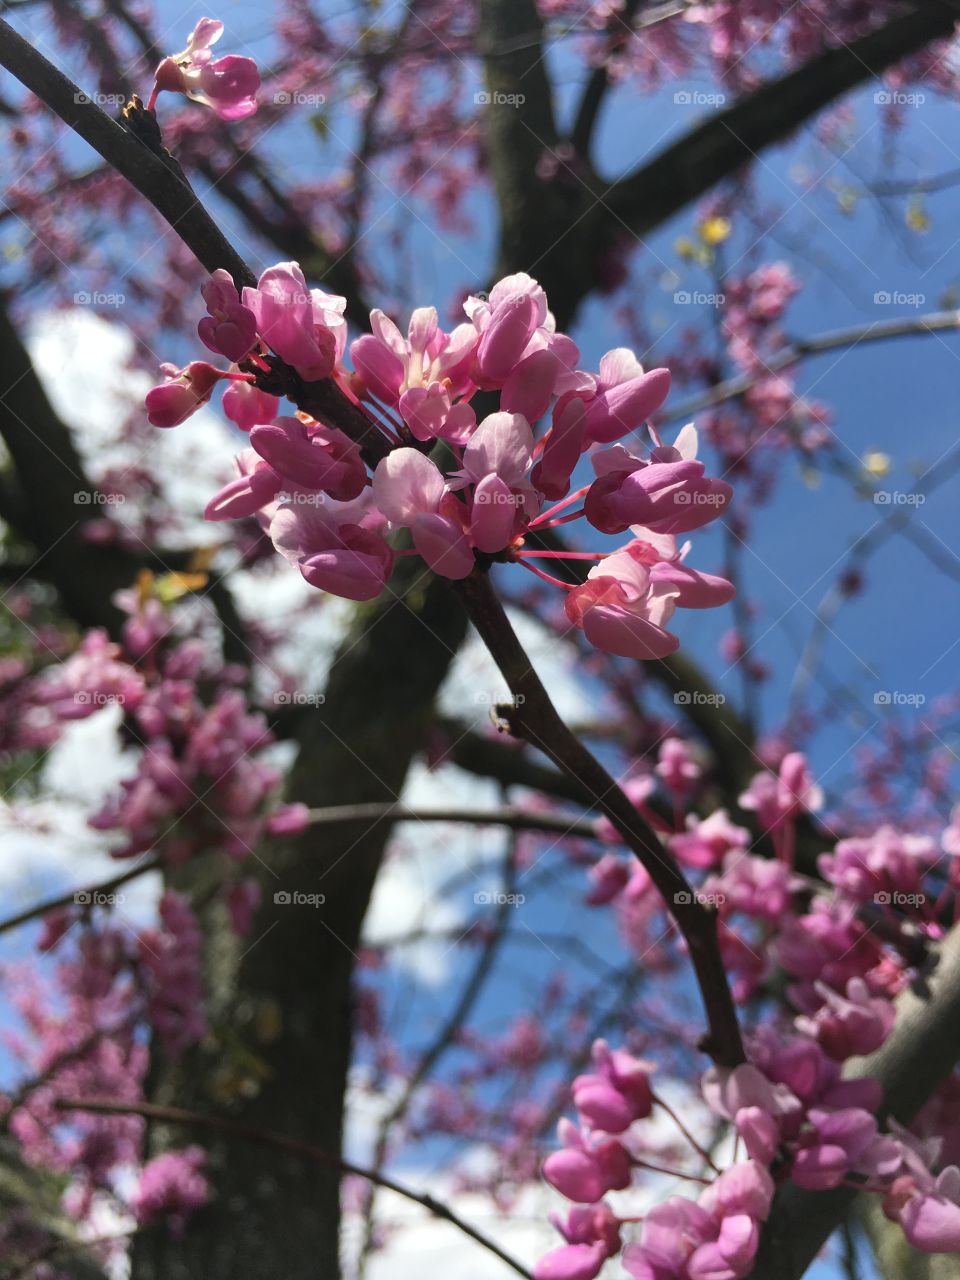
(287, 1000)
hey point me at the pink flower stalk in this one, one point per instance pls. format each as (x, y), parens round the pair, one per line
(170, 959)
(228, 85)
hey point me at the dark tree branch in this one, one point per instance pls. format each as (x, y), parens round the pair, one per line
(533, 716)
(853, 336)
(294, 1146)
(619, 31)
(733, 137)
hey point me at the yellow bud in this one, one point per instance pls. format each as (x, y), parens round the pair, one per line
(876, 463)
(715, 230)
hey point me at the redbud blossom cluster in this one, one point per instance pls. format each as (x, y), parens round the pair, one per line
(467, 491)
(794, 1115)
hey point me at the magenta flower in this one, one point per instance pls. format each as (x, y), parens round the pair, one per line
(230, 328)
(304, 327)
(592, 1233)
(930, 1214)
(669, 493)
(229, 85)
(246, 405)
(311, 458)
(630, 595)
(182, 394)
(707, 842)
(171, 1188)
(625, 396)
(256, 486)
(337, 546)
(488, 500)
(852, 1025)
(584, 1172)
(616, 1094)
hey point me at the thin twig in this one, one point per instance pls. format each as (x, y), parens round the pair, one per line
(533, 716)
(283, 1142)
(853, 336)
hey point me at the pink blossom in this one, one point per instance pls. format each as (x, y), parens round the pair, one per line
(669, 493)
(677, 767)
(170, 959)
(625, 397)
(410, 491)
(852, 1025)
(304, 327)
(622, 610)
(706, 842)
(585, 1172)
(931, 1217)
(592, 1233)
(337, 546)
(230, 328)
(246, 405)
(171, 1188)
(312, 458)
(616, 1093)
(182, 394)
(229, 85)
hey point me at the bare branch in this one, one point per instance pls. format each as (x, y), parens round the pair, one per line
(534, 717)
(295, 1146)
